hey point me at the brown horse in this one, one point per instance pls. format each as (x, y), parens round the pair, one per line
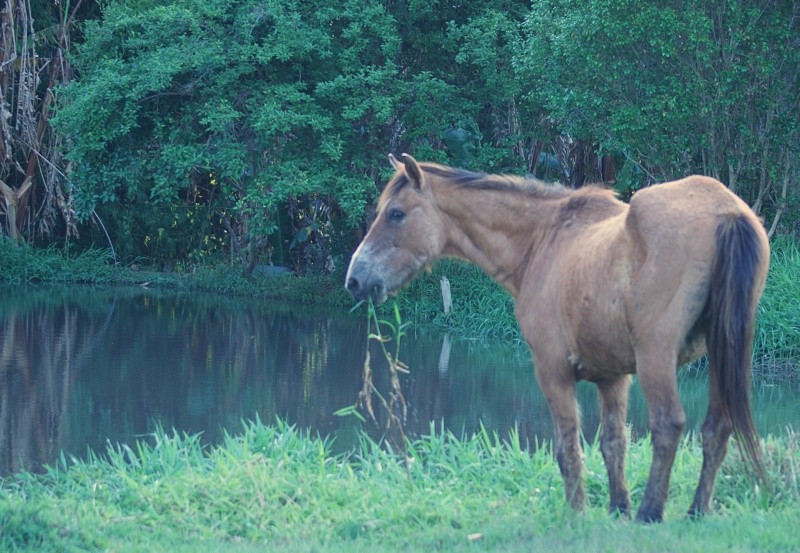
(603, 290)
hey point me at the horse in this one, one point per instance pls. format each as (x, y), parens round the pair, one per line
(602, 290)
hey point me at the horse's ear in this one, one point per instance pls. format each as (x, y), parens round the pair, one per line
(413, 171)
(394, 162)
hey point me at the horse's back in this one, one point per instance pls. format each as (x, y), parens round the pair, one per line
(683, 216)
(684, 206)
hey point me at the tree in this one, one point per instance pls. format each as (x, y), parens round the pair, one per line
(197, 128)
(674, 88)
(464, 104)
(252, 125)
(196, 119)
(36, 41)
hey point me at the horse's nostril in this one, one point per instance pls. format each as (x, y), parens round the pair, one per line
(352, 285)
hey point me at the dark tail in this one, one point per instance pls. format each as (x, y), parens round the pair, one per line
(732, 311)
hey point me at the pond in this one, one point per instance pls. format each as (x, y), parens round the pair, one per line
(82, 367)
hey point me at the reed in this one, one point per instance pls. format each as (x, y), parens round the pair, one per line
(777, 337)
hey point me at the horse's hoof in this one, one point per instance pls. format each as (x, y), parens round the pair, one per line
(622, 510)
(649, 515)
(696, 512)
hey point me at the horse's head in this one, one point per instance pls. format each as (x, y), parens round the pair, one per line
(407, 235)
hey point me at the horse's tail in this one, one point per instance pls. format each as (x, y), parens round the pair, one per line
(735, 289)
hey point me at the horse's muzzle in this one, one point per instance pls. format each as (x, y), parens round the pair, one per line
(366, 288)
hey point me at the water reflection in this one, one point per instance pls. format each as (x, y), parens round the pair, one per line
(81, 367)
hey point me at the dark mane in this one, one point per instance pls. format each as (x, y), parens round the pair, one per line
(484, 181)
(397, 184)
(503, 183)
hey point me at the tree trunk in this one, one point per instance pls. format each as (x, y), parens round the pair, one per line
(34, 194)
(13, 199)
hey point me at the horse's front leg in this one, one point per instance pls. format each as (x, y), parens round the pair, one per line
(558, 386)
(657, 376)
(613, 439)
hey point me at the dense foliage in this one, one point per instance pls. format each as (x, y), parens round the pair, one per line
(245, 130)
(197, 120)
(688, 86)
(202, 125)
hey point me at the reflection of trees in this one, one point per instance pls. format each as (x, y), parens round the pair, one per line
(205, 363)
(40, 356)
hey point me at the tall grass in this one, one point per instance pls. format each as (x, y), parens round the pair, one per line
(481, 308)
(777, 337)
(25, 264)
(19, 264)
(281, 487)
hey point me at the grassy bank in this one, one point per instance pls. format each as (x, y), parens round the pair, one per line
(275, 488)
(19, 265)
(481, 309)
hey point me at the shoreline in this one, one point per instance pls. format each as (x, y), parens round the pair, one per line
(481, 310)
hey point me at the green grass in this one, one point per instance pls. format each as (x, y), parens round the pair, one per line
(277, 488)
(481, 308)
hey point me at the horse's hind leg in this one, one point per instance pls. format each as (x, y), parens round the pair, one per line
(613, 440)
(716, 432)
(657, 376)
(559, 392)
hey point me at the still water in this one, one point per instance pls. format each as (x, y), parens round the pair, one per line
(83, 367)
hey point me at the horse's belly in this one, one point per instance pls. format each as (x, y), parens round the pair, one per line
(601, 343)
(600, 361)
(604, 349)
(593, 299)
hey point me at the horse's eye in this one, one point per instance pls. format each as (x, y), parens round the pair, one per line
(396, 215)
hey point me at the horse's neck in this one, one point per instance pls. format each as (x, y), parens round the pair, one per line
(496, 230)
